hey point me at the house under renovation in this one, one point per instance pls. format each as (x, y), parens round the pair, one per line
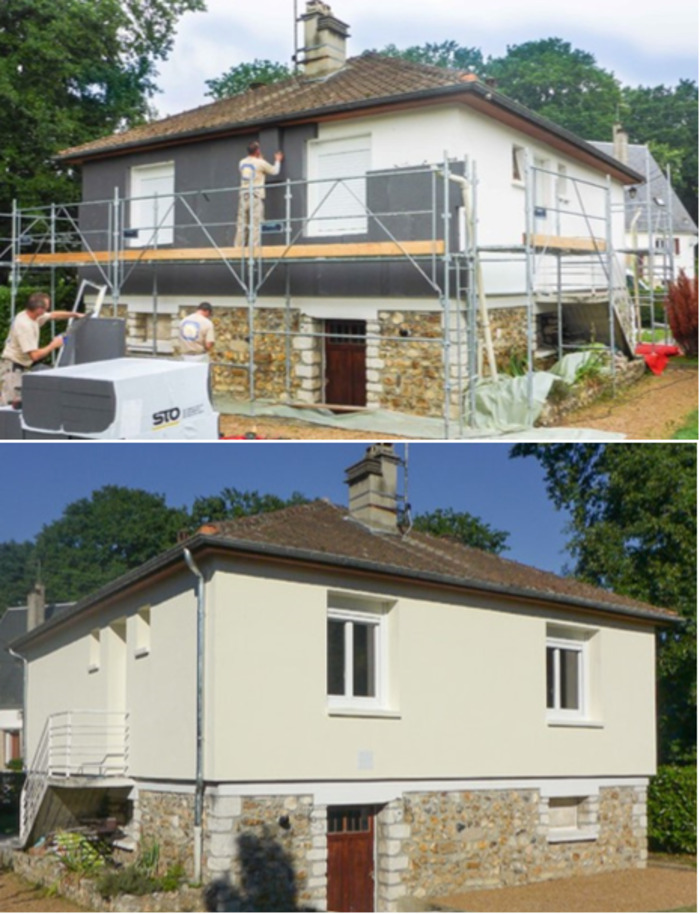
(377, 713)
(426, 233)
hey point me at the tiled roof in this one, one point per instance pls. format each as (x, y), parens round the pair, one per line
(367, 81)
(328, 531)
(371, 76)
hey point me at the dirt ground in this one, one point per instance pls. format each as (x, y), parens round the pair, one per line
(652, 889)
(17, 895)
(652, 409)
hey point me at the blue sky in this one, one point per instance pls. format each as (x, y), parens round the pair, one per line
(645, 43)
(41, 479)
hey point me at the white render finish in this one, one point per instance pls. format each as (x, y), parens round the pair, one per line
(464, 684)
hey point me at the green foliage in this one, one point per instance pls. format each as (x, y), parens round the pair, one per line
(672, 810)
(245, 76)
(633, 530)
(463, 527)
(127, 881)
(101, 537)
(71, 72)
(17, 573)
(233, 503)
(446, 54)
(78, 854)
(15, 764)
(562, 83)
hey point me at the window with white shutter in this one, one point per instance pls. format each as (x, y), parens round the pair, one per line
(152, 205)
(337, 196)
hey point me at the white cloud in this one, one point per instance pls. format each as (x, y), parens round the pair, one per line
(650, 38)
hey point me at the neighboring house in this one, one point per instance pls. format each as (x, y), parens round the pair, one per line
(391, 713)
(16, 621)
(360, 296)
(657, 224)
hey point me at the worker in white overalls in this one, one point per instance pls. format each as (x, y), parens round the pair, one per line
(197, 334)
(251, 196)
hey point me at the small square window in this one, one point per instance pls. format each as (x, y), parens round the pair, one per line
(572, 819)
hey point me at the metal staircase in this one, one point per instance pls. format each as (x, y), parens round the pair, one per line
(76, 748)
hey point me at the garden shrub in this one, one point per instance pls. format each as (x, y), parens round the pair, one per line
(128, 881)
(673, 809)
(682, 309)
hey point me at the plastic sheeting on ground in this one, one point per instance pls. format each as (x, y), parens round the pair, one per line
(656, 355)
(383, 421)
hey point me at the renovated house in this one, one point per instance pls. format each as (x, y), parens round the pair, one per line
(423, 225)
(659, 229)
(390, 713)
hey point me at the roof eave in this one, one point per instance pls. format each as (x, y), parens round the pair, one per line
(161, 563)
(483, 92)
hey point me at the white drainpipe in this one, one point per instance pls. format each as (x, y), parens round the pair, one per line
(199, 777)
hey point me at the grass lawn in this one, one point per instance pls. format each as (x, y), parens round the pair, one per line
(689, 430)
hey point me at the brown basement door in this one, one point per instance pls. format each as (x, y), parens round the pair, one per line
(346, 371)
(351, 858)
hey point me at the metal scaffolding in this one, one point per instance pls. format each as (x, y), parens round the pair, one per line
(560, 266)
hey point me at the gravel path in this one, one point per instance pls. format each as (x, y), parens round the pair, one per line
(652, 889)
(655, 407)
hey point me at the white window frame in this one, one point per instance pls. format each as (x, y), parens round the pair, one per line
(154, 220)
(580, 647)
(321, 220)
(377, 622)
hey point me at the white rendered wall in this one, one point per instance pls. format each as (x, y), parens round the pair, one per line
(467, 687)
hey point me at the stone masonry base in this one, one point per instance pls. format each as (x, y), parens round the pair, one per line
(273, 849)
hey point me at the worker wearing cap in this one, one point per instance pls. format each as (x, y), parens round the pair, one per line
(197, 334)
(251, 196)
(22, 350)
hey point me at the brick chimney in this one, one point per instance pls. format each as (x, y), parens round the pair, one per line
(621, 144)
(324, 40)
(372, 495)
(36, 606)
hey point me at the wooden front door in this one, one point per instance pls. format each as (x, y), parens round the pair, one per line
(346, 374)
(351, 858)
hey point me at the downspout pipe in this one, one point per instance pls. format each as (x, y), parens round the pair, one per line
(199, 776)
(25, 686)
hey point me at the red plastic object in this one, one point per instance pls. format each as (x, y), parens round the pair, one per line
(656, 355)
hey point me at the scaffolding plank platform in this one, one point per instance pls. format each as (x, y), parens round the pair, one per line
(366, 249)
(564, 244)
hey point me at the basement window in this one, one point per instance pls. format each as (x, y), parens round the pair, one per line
(572, 819)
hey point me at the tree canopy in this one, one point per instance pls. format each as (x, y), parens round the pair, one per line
(633, 530)
(246, 75)
(70, 72)
(463, 527)
(117, 528)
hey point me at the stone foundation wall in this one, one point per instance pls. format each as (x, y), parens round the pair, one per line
(272, 851)
(167, 818)
(406, 374)
(509, 335)
(440, 843)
